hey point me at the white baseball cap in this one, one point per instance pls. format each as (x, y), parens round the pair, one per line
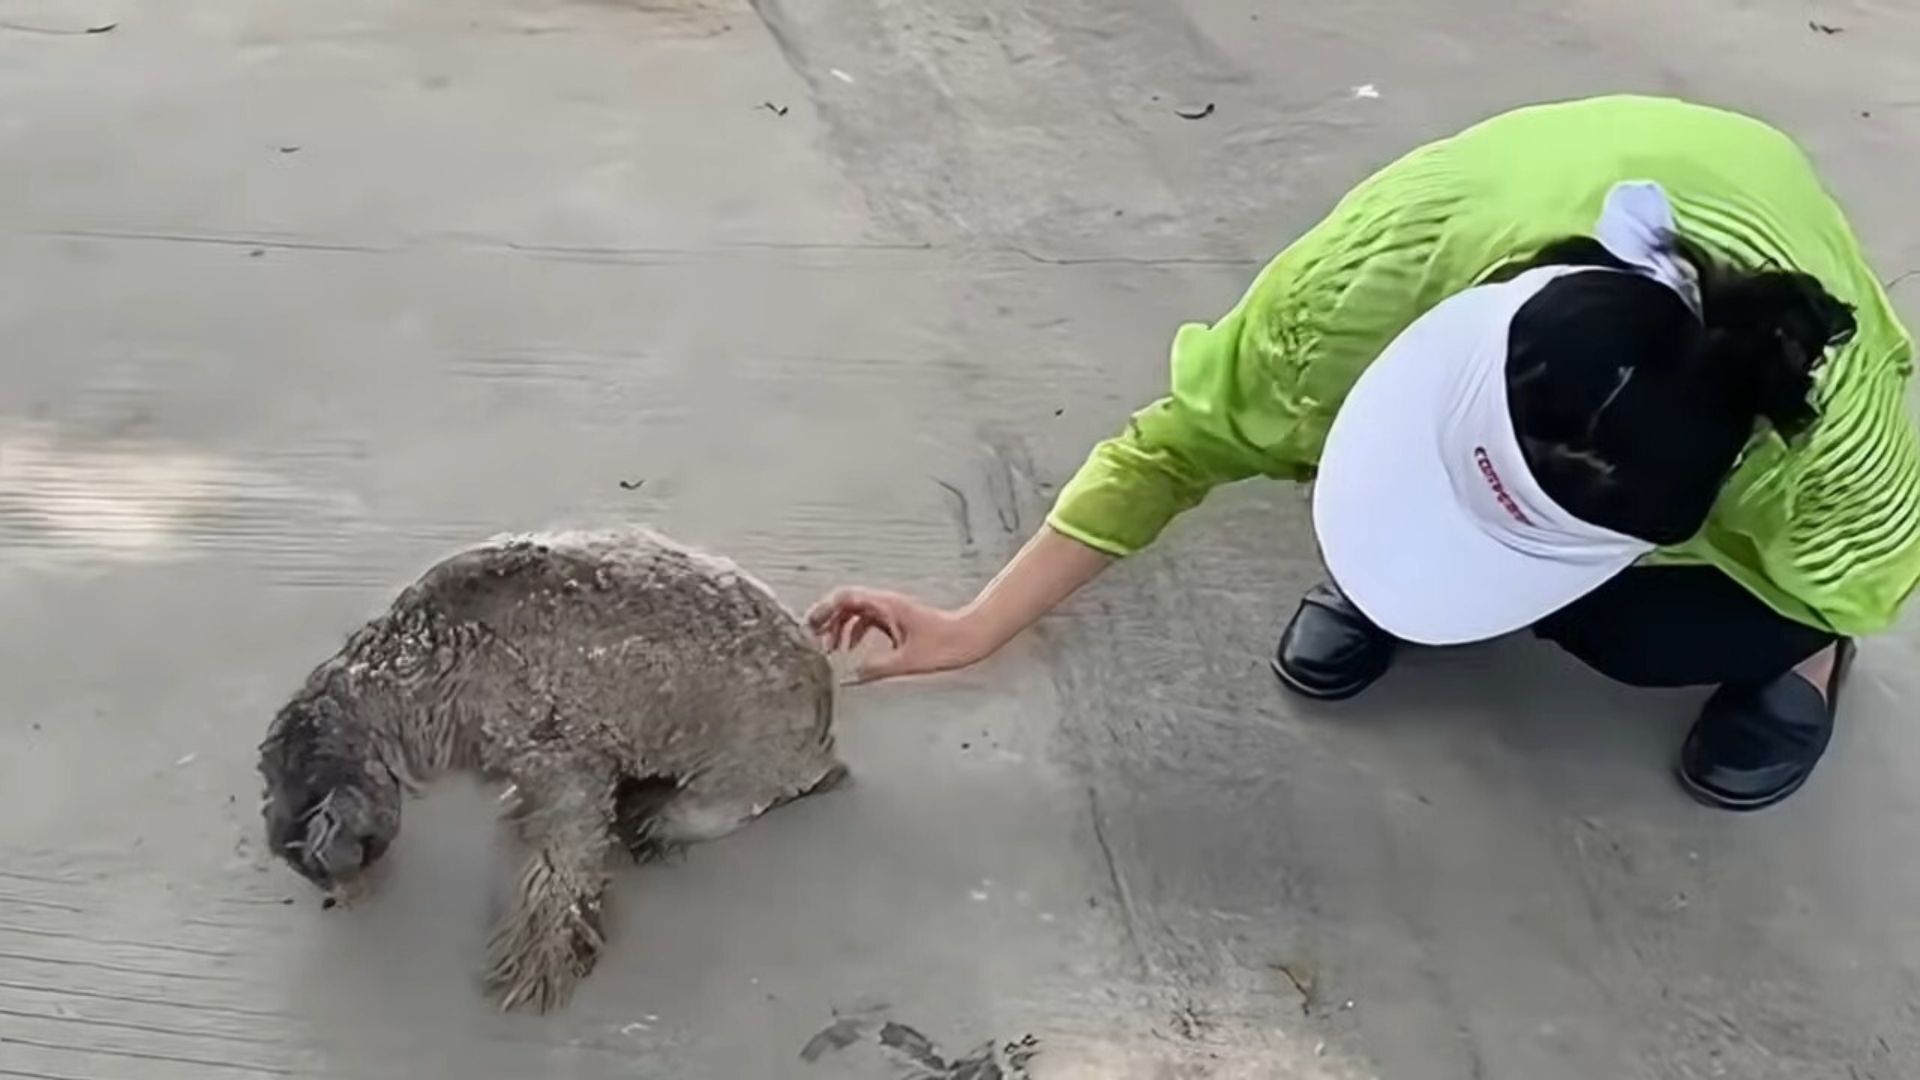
(1428, 514)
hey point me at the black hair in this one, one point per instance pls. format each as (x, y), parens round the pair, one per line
(1631, 408)
(1766, 331)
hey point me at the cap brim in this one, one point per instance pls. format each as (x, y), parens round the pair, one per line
(1394, 534)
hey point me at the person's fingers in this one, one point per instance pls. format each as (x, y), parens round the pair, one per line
(832, 606)
(846, 619)
(857, 621)
(829, 622)
(828, 627)
(822, 611)
(887, 621)
(843, 630)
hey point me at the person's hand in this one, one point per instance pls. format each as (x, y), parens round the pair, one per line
(924, 639)
(927, 639)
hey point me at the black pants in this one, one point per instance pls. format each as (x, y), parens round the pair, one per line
(1680, 626)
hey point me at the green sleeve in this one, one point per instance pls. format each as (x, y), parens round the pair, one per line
(1173, 451)
(1255, 393)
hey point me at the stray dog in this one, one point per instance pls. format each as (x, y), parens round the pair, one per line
(634, 694)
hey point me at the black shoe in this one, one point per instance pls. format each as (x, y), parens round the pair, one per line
(1753, 747)
(1330, 651)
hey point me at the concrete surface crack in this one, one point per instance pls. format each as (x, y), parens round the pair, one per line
(1124, 260)
(135, 1055)
(775, 20)
(178, 1032)
(215, 239)
(135, 999)
(1119, 882)
(963, 515)
(117, 969)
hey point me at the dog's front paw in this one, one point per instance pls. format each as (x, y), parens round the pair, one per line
(537, 958)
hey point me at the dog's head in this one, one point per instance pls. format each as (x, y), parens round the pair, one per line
(332, 806)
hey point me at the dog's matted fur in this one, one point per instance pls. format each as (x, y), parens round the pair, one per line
(634, 693)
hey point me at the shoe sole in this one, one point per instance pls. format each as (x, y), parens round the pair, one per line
(1706, 796)
(1314, 693)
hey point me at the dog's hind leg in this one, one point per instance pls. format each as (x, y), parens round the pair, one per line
(715, 802)
(552, 937)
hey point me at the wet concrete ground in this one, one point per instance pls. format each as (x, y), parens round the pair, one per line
(297, 297)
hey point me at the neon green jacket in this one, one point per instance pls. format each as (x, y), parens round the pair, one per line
(1826, 531)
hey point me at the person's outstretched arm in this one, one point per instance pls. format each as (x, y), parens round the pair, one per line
(927, 639)
(1169, 456)
(1253, 394)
